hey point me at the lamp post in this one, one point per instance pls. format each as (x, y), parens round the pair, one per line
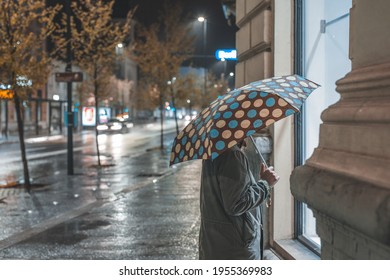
(69, 89)
(204, 21)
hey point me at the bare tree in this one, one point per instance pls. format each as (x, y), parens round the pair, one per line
(95, 36)
(160, 50)
(24, 62)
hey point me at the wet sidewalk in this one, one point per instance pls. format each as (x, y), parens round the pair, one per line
(138, 209)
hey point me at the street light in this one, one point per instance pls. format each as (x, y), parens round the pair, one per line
(204, 21)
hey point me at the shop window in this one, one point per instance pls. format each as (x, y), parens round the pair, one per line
(321, 49)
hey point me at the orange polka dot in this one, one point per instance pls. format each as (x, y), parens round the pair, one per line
(258, 103)
(226, 134)
(220, 123)
(246, 104)
(241, 97)
(177, 148)
(269, 122)
(204, 111)
(245, 123)
(264, 113)
(180, 135)
(197, 144)
(239, 114)
(188, 128)
(282, 102)
(239, 134)
(232, 143)
(277, 113)
(223, 108)
(206, 142)
(188, 146)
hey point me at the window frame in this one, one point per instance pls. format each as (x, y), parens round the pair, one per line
(299, 124)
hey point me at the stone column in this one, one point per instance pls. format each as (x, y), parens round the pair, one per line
(346, 182)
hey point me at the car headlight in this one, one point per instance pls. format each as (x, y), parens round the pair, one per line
(116, 126)
(102, 127)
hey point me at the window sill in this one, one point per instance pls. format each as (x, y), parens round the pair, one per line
(291, 249)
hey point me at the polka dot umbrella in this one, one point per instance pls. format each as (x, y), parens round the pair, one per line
(239, 114)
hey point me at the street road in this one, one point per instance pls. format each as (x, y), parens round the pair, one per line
(48, 155)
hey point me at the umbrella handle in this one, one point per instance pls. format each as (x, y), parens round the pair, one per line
(258, 151)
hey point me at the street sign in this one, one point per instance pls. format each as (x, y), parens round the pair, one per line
(69, 77)
(6, 94)
(226, 54)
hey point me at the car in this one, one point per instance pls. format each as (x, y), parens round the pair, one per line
(117, 125)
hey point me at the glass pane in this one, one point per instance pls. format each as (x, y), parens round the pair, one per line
(326, 47)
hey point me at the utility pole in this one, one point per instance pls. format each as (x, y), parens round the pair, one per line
(69, 89)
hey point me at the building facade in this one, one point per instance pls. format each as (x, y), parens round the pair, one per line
(333, 199)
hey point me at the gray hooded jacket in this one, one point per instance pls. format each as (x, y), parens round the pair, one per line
(230, 201)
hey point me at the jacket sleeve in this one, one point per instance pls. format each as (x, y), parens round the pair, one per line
(239, 193)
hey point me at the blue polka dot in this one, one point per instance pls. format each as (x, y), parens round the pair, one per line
(194, 138)
(289, 112)
(257, 123)
(230, 100)
(270, 83)
(307, 90)
(181, 155)
(283, 94)
(227, 115)
(250, 132)
(200, 152)
(234, 106)
(233, 124)
(207, 119)
(220, 145)
(236, 92)
(288, 89)
(270, 102)
(176, 160)
(199, 126)
(203, 137)
(252, 113)
(295, 84)
(195, 156)
(217, 115)
(184, 140)
(252, 95)
(297, 101)
(214, 133)
(214, 155)
(263, 94)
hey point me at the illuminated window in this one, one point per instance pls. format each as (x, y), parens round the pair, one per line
(322, 44)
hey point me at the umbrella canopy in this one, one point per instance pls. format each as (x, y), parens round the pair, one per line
(239, 114)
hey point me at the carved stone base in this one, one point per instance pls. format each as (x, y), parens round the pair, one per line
(353, 217)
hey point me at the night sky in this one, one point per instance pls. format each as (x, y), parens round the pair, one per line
(219, 34)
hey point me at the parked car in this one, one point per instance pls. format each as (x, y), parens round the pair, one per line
(115, 126)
